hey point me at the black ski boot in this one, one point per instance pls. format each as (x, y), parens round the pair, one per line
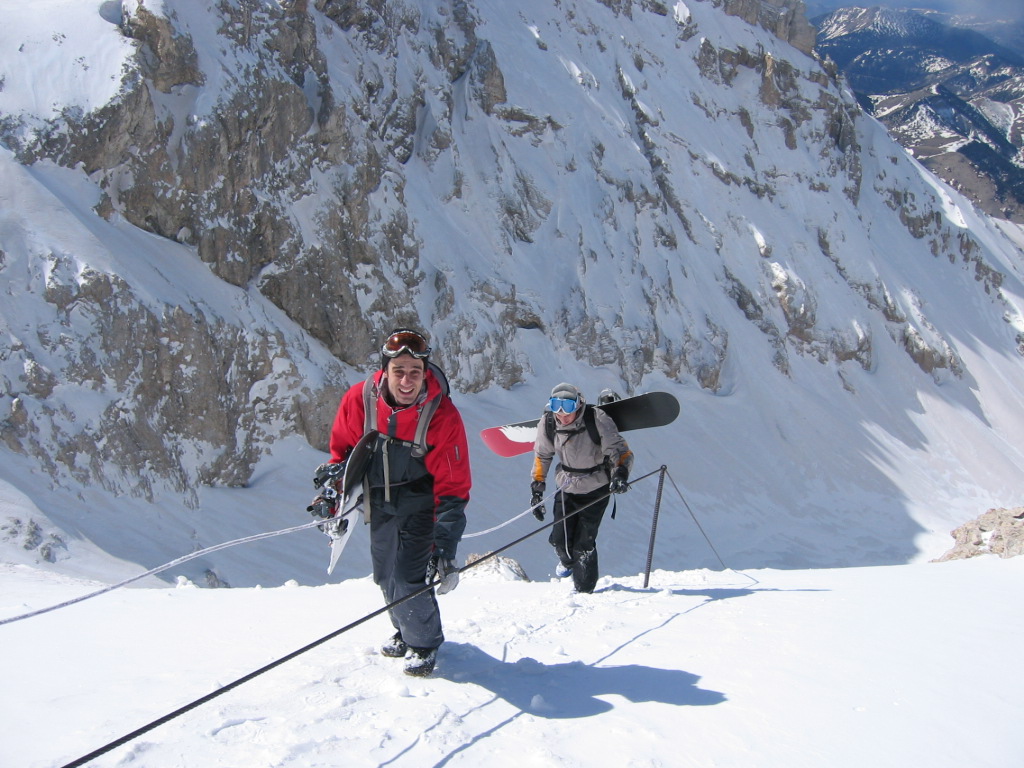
(420, 661)
(395, 647)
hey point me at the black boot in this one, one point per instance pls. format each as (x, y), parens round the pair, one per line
(395, 647)
(420, 661)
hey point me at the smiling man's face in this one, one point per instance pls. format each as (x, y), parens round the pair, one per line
(405, 378)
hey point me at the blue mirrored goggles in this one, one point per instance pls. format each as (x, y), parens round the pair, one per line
(557, 404)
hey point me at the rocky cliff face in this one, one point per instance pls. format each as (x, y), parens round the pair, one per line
(182, 395)
(360, 164)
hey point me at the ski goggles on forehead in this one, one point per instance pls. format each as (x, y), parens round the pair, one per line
(406, 343)
(557, 404)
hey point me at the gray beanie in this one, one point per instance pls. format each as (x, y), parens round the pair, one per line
(567, 392)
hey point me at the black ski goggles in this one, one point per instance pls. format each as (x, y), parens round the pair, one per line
(406, 343)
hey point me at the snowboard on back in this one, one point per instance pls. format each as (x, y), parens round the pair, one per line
(653, 409)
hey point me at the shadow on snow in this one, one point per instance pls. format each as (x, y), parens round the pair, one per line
(572, 689)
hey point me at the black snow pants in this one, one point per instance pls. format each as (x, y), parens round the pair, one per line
(575, 538)
(400, 546)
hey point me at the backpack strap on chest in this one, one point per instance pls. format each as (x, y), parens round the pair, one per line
(589, 421)
(428, 409)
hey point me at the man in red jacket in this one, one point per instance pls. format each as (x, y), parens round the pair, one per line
(418, 481)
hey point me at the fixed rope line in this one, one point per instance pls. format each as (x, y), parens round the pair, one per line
(511, 520)
(85, 759)
(217, 547)
(701, 529)
(697, 522)
(316, 523)
(158, 569)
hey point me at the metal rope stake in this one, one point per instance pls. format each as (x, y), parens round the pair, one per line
(654, 524)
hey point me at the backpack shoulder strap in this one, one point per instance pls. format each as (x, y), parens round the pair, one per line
(442, 379)
(420, 447)
(369, 405)
(430, 407)
(590, 420)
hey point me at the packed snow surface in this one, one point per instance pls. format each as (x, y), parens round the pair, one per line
(887, 666)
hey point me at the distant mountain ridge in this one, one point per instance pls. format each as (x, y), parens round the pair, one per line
(946, 92)
(881, 49)
(847, 24)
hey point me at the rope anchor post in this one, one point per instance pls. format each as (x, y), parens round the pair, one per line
(654, 524)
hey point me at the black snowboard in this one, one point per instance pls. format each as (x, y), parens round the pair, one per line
(653, 409)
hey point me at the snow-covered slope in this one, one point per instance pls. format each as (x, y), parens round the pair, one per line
(887, 666)
(625, 195)
(656, 197)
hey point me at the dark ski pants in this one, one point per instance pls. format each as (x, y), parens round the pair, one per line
(400, 546)
(575, 538)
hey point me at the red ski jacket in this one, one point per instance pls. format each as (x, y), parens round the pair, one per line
(443, 473)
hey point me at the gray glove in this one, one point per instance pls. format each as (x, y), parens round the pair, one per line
(445, 572)
(537, 488)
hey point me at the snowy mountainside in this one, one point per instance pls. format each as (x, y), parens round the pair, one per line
(950, 95)
(628, 194)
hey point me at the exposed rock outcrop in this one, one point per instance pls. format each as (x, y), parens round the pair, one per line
(997, 532)
(497, 567)
(786, 19)
(41, 542)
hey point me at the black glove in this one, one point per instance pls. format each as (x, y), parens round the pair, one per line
(445, 571)
(325, 505)
(537, 488)
(618, 483)
(326, 480)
